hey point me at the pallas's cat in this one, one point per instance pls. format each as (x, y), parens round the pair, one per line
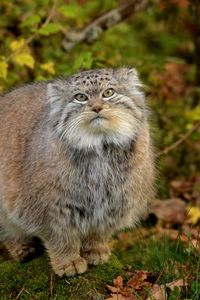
(75, 165)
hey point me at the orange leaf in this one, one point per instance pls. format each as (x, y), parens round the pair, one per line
(113, 289)
(118, 282)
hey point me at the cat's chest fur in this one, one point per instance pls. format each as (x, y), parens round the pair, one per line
(94, 195)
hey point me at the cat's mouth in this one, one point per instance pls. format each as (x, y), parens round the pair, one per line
(98, 119)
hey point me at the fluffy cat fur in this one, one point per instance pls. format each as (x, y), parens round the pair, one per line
(73, 172)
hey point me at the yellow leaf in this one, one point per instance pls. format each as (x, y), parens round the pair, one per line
(24, 59)
(17, 44)
(3, 69)
(194, 214)
(48, 67)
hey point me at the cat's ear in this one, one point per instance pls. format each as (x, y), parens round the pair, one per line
(130, 76)
(55, 95)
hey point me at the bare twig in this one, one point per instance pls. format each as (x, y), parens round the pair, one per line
(179, 141)
(92, 32)
(21, 291)
(52, 280)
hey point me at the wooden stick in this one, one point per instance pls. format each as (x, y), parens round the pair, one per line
(92, 32)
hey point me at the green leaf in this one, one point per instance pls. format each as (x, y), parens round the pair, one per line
(72, 11)
(49, 29)
(194, 114)
(85, 61)
(24, 59)
(3, 69)
(17, 44)
(48, 67)
(31, 20)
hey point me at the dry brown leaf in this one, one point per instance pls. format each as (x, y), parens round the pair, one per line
(187, 189)
(113, 289)
(196, 244)
(193, 232)
(118, 282)
(137, 281)
(121, 297)
(181, 186)
(116, 297)
(171, 210)
(126, 292)
(176, 283)
(158, 293)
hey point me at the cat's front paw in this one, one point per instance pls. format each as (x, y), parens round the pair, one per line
(97, 256)
(73, 267)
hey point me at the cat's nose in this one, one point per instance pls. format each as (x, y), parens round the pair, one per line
(97, 108)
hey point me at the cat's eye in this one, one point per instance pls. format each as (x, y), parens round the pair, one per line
(81, 97)
(108, 93)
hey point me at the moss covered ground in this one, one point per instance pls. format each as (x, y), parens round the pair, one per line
(164, 259)
(35, 280)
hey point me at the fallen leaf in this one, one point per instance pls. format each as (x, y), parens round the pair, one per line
(137, 281)
(176, 283)
(118, 282)
(116, 297)
(181, 186)
(113, 289)
(170, 210)
(196, 244)
(157, 293)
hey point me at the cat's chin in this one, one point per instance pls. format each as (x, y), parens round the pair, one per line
(98, 122)
(94, 138)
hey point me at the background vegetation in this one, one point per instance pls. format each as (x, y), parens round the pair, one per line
(42, 39)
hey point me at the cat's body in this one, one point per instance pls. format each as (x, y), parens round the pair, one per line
(73, 170)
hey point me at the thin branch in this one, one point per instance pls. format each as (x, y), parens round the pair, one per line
(179, 141)
(92, 32)
(52, 281)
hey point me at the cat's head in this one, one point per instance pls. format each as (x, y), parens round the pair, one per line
(97, 106)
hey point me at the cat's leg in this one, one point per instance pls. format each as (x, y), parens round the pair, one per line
(64, 253)
(95, 249)
(19, 245)
(21, 249)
